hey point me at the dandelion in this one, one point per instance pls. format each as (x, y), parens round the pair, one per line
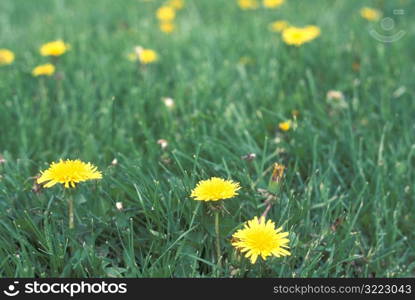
(273, 3)
(146, 56)
(215, 189)
(278, 26)
(167, 27)
(166, 14)
(260, 238)
(6, 57)
(285, 126)
(370, 14)
(248, 4)
(55, 48)
(297, 36)
(46, 70)
(176, 4)
(68, 173)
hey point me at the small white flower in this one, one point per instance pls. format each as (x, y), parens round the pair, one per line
(119, 206)
(169, 102)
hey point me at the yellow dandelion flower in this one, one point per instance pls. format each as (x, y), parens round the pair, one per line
(260, 238)
(68, 173)
(166, 14)
(278, 26)
(6, 57)
(297, 36)
(176, 4)
(370, 14)
(215, 189)
(46, 69)
(248, 4)
(273, 3)
(167, 27)
(55, 48)
(147, 56)
(285, 126)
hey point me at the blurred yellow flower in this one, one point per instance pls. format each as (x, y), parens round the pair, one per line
(285, 126)
(6, 57)
(370, 14)
(278, 26)
(176, 4)
(260, 238)
(55, 48)
(248, 4)
(273, 3)
(166, 14)
(167, 27)
(46, 69)
(215, 189)
(297, 36)
(68, 173)
(147, 56)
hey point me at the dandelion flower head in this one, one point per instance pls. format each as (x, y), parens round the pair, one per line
(69, 173)
(6, 57)
(166, 13)
(167, 27)
(370, 14)
(215, 189)
(297, 36)
(248, 4)
(147, 56)
(260, 238)
(46, 70)
(285, 126)
(273, 3)
(55, 48)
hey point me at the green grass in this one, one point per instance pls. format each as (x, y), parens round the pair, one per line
(347, 199)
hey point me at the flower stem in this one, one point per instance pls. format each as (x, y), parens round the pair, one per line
(218, 252)
(71, 213)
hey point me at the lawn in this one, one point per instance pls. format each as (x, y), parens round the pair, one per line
(346, 197)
